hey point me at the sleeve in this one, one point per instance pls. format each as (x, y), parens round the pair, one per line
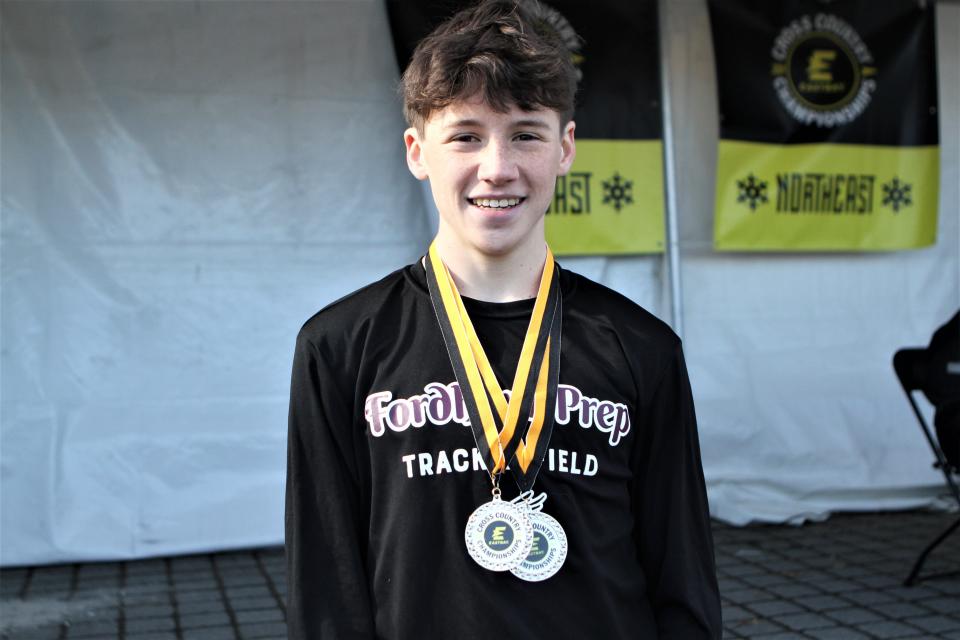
(674, 539)
(328, 593)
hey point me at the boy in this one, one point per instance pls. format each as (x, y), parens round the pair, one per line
(405, 517)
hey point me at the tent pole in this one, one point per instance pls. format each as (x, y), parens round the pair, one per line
(672, 250)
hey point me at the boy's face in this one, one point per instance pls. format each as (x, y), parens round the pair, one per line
(492, 174)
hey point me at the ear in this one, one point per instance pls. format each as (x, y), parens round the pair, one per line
(568, 148)
(411, 137)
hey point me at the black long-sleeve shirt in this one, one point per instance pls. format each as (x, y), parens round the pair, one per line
(383, 474)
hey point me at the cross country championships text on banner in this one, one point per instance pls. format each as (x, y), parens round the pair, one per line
(828, 125)
(611, 202)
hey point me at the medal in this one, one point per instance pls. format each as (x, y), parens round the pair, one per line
(499, 534)
(549, 548)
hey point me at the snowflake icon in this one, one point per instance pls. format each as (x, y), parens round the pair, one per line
(897, 194)
(752, 191)
(617, 191)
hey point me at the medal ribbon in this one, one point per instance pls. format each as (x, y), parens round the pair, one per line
(535, 380)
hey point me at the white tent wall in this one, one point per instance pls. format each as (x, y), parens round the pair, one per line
(184, 183)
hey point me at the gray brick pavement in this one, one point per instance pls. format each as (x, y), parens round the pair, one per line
(839, 579)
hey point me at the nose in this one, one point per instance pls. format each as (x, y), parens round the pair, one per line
(497, 164)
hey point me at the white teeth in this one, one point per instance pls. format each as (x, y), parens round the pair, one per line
(496, 204)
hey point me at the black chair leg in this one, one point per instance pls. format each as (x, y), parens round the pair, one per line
(912, 578)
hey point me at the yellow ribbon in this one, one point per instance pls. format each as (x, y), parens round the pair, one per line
(480, 375)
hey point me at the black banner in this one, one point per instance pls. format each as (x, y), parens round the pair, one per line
(875, 61)
(828, 125)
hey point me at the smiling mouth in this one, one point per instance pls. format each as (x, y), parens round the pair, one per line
(495, 203)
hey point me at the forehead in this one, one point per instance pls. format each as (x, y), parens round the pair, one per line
(476, 112)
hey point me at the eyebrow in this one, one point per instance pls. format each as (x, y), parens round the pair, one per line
(529, 123)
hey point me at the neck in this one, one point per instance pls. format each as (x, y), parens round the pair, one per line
(503, 278)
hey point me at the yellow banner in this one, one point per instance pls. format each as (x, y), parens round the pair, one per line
(825, 197)
(611, 202)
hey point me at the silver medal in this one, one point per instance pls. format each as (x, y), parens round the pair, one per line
(549, 548)
(499, 534)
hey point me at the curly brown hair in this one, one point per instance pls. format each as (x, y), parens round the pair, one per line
(497, 50)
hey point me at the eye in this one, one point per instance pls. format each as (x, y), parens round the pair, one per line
(526, 137)
(464, 137)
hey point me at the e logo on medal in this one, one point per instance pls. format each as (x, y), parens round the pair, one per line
(498, 535)
(539, 549)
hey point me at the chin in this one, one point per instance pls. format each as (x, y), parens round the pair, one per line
(498, 239)
(496, 247)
